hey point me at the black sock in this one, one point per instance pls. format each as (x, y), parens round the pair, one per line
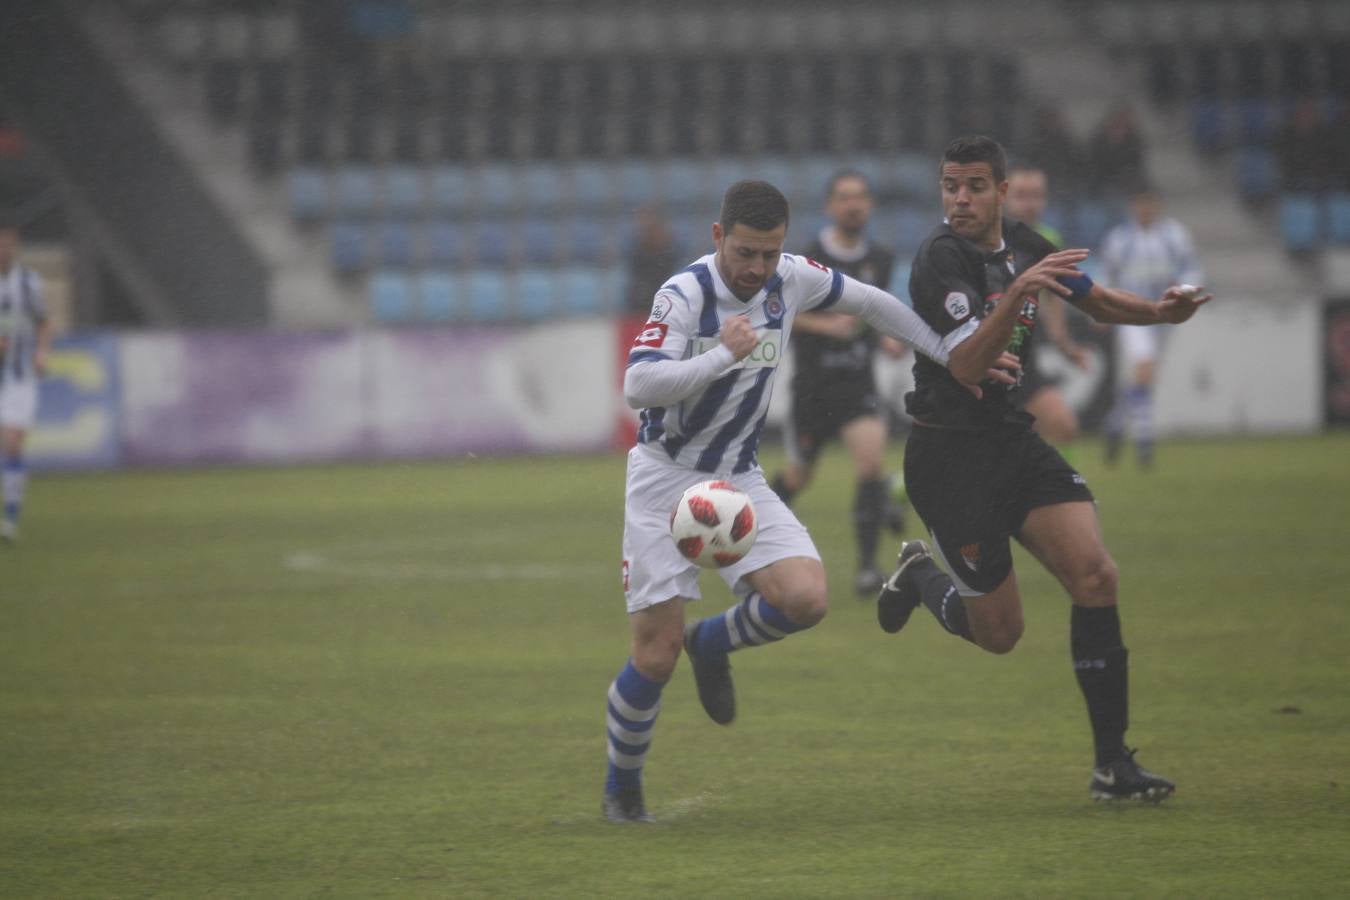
(869, 510)
(1100, 661)
(779, 485)
(939, 595)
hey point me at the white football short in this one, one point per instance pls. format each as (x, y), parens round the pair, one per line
(653, 569)
(1137, 343)
(18, 403)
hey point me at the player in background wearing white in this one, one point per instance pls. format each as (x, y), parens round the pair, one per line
(25, 342)
(702, 373)
(1055, 420)
(1143, 256)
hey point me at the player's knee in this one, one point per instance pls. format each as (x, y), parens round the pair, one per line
(1095, 583)
(655, 656)
(1002, 638)
(805, 602)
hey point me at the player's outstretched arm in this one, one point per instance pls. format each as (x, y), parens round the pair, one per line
(662, 382)
(1114, 306)
(978, 353)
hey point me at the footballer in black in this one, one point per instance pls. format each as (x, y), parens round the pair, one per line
(978, 475)
(834, 393)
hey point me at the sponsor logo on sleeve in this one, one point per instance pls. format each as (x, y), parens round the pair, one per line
(654, 335)
(957, 305)
(812, 262)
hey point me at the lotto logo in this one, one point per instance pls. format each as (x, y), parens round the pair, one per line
(654, 335)
(812, 262)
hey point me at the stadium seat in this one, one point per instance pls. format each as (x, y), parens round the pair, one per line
(779, 172)
(391, 297)
(1256, 120)
(899, 285)
(539, 241)
(403, 194)
(1257, 172)
(534, 293)
(437, 291)
(396, 244)
(912, 224)
(915, 177)
(590, 291)
(1209, 127)
(450, 189)
(445, 243)
(348, 247)
(684, 183)
(1300, 222)
(1091, 221)
(488, 295)
(492, 242)
(542, 184)
(1338, 217)
(497, 184)
(355, 191)
(307, 193)
(593, 184)
(586, 239)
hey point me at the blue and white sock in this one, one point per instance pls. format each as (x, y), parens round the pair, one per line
(750, 623)
(13, 480)
(634, 702)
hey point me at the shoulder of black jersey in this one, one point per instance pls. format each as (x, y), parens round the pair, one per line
(1025, 239)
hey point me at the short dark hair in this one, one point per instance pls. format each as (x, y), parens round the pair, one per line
(843, 175)
(976, 148)
(757, 204)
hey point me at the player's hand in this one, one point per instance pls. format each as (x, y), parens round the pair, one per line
(1005, 371)
(739, 336)
(1045, 274)
(1180, 302)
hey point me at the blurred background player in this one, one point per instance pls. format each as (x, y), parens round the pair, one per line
(1143, 255)
(25, 341)
(1028, 193)
(834, 392)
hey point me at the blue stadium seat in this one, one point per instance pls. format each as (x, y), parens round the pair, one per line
(912, 224)
(488, 295)
(1338, 217)
(445, 243)
(391, 297)
(348, 247)
(497, 184)
(590, 291)
(1091, 221)
(638, 184)
(779, 172)
(396, 244)
(1257, 172)
(1256, 120)
(1209, 125)
(684, 183)
(403, 194)
(539, 241)
(355, 191)
(307, 193)
(535, 289)
(915, 177)
(816, 173)
(723, 172)
(1300, 221)
(542, 184)
(586, 239)
(450, 189)
(693, 233)
(438, 294)
(593, 184)
(492, 242)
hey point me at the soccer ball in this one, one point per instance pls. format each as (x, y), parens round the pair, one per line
(714, 524)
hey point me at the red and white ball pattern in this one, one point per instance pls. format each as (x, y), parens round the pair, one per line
(714, 524)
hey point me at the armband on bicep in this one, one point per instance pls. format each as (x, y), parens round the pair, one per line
(1080, 284)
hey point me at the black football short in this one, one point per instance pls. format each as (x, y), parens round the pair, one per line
(820, 412)
(973, 490)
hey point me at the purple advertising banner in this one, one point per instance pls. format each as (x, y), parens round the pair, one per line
(244, 397)
(241, 397)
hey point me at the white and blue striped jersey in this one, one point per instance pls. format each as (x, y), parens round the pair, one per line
(1148, 260)
(22, 311)
(717, 427)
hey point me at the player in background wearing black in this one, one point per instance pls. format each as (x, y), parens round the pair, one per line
(834, 392)
(978, 474)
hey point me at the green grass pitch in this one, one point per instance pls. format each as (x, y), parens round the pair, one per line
(388, 681)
